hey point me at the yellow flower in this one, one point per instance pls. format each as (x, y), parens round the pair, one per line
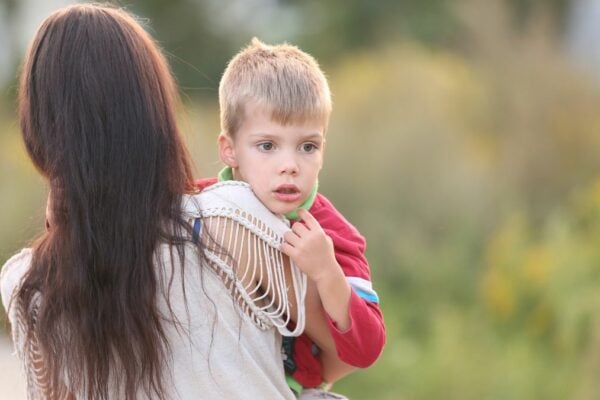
(499, 294)
(536, 266)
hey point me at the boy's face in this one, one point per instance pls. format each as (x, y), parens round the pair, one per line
(281, 163)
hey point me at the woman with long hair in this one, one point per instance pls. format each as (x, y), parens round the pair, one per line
(114, 300)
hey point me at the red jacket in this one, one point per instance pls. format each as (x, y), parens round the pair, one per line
(363, 342)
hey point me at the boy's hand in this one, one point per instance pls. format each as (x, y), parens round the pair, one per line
(310, 248)
(312, 251)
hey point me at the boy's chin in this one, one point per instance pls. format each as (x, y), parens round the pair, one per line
(280, 209)
(283, 210)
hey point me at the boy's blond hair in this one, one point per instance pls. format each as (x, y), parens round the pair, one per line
(282, 78)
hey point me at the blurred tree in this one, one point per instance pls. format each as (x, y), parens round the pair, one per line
(8, 10)
(196, 54)
(524, 10)
(192, 34)
(10, 6)
(349, 25)
(190, 30)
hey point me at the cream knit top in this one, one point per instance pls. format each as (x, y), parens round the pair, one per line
(230, 348)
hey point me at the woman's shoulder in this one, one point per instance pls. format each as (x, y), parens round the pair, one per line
(219, 195)
(235, 200)
(11, 274)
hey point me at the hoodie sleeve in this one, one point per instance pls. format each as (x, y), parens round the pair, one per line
(363, 342)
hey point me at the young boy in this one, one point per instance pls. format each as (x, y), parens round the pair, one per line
(275, 105)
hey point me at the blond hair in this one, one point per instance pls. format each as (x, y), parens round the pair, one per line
(282, 77)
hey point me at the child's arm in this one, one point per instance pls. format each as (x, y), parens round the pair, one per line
(332, 368)
(312, 250)
(360, 344)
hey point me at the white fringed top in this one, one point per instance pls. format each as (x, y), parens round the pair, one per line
(218, 352)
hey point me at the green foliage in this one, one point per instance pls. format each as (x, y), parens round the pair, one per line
(472, 170)
(475, 181)
(201, 35)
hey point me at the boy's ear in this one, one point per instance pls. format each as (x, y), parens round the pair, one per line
(226, 150)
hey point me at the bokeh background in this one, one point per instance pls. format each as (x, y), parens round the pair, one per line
(464, 144)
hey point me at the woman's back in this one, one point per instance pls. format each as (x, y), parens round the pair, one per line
(215, 349)
(223, 354)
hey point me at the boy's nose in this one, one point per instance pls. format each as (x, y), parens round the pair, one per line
(289, 166)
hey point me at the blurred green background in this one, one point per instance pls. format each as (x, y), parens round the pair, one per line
(463, 144)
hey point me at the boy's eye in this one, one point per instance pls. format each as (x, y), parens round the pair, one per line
(308, 147)
(266, 146)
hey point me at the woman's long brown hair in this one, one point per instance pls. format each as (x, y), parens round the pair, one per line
(97, 103)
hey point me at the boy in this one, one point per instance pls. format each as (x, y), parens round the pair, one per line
(275, 105)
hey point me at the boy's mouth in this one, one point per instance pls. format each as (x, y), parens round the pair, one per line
(287, 193)
(287, 189)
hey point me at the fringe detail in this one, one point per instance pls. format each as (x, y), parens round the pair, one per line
(37, 376)
(247, 228)
(262, 289)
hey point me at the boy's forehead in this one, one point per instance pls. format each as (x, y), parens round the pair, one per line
(255, 112)
(252, 108)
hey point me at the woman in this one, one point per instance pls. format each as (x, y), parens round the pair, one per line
(114, 300)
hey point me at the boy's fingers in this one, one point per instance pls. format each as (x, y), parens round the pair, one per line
(299, 229)
(286, 249)
(290, 238)
(307, 218)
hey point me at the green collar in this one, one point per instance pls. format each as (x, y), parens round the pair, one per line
(226, 174)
